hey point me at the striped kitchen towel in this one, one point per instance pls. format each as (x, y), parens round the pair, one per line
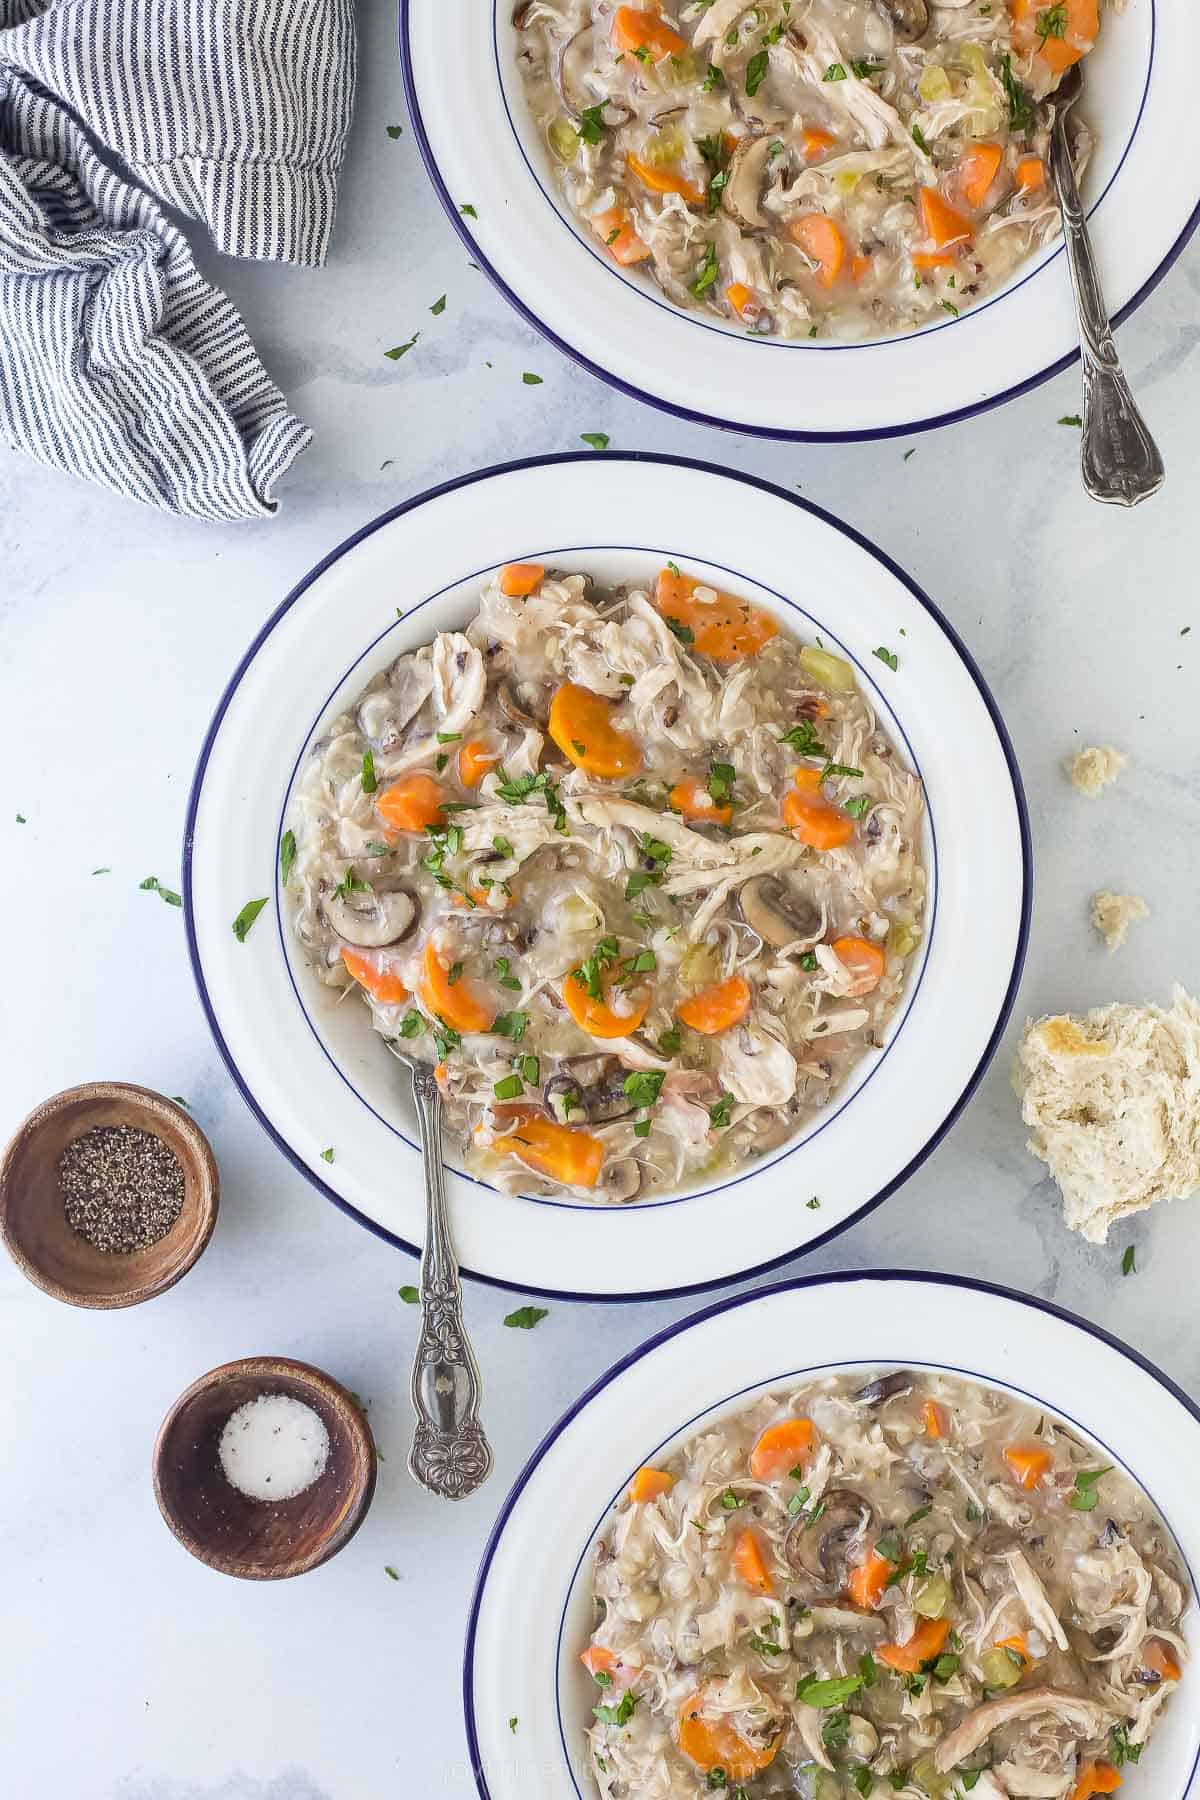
(119, 362)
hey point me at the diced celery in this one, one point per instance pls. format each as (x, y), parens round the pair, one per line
(1000, 1669)
(846, 181)
(663, 148)
(831, 671)
(924, 1774)
(932, 1597)
(934, 84)
(681, 68)
(699, 964)
(564, 140)
(902, 937)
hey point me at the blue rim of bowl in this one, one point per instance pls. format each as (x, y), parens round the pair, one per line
(866, 435)
(801, 1282)
(644, 457)
(912, 987)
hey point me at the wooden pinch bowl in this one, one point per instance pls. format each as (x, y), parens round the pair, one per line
(33, 1222)
(262, 1540)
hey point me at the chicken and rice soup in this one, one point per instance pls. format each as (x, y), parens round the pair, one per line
(912, 1584)
(811, 168)
(635, 869)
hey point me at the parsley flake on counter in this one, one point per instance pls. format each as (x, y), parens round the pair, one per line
(887, 656)
(531, 380)
(1071, 419)
(247, 916)
(287, 856)
(597, 440)
(513, 1723)
(388, 1570)
(813, 1205)
(152, 885)
(439, 306)
(400, 350)
(909, 453)
(105, 871)
(1128, 1265)
(21, 819)
(526, 1317)
(327, 1155)
(410, 1295)
(468, 211)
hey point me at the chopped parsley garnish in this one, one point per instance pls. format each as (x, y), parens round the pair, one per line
(244, 920)
(524, 1319)
(888, 1545)
(972, 1514)
(152, 885)
(716, 1777)
(716, 188)
(730, 1501)
(589, 972)
(502, 847)
(764, 1646)
(809, 962)
(949, 306)
(887, 656)
(721, 777)
(683, 632)
(918, 138)
(713, 78)
(719, 1113)
(530, 1070)
(644, 1087)
(448, 737)
(868, 1670)
(654, 850)
(832, 768)
(400, 350)
(1051, 22)
(642, 1128)
(639, 881)
(946, 1666)
(502, 966)
(287, 856)
(1021, 109)
(706, 274)
(1085, 1497)
(611, 1715)
(756, 71)
(510, 1025)
(810, 1692)
(858, 805)
(922, 1512)
(863, 1780)
(674, 568)
(835, 72)
(598, 440)
(835, 1731)
(1122, 1750)
(803, 739)
(369, 783)
(411, 1025)
(445, 1039)
(864, 67)
(670, 1042)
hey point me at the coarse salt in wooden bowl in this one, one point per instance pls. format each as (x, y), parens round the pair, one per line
(262, 1540)
(33, 1220)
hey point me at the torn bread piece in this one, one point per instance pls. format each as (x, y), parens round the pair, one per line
(1090, 771)
(1112, 1102)
(1113, 914)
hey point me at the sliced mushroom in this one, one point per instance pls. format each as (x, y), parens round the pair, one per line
(512, 703)
(780, 912)
(570, 1094)
(823, 1553)
(385, 711)
(576, 56)
(371, 920)
(521, 12)
(886, 1387)
(621, 1180)
(909, 17)
(1087, 1718)
(743, 185)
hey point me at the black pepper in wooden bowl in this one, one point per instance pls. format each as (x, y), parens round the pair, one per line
(122, 1187)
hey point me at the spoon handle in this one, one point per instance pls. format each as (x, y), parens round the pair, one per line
(450, 1454)
(1121, 461)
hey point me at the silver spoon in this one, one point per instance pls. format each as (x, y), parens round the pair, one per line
(450, 1454)
(1121, 461)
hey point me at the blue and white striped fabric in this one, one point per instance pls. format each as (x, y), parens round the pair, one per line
(118, 361)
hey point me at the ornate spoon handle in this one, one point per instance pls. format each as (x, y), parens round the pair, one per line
(450, 1454)
(1121, 461)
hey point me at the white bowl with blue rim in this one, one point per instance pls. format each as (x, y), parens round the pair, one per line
(483, 152)
(531, 1614)
(319, 1077)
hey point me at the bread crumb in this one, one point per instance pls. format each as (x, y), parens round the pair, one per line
(1091, 770)
(1112, 1102)
(1113, 914)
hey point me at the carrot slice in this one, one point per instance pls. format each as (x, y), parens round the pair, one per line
(934, 259)
(715, 1009)
(866, 1582)
(662, 181)
(598, 1659)
(1059, 53)
(1096, 1778)
(564, 1154)
(712, 1744)
(977, 169)
(863, 960)
(453, 1001)
(936, 1420)
(860, 266)
(620, 239)
(1016, 1643)
(375, 975)
(581, 725)
(781, 1447)
(635, 30)
(1161, 1658)
(925, 1642)
(597, 1017)
(519, 579)
(821, 241)
(1031, 174)
(648, 1484)
(478, 896)
(940, 222)
(692, 800)
(748, 1561)
(813, 142)
(1028, 1462)
(739, 296)
(813, 819)
(721, 625)
(474, 760)
(412, 803)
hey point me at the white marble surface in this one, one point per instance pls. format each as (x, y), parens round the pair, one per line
(131, 1672)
